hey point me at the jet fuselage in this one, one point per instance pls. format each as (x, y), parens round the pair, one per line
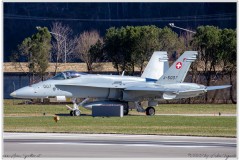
(108, 87)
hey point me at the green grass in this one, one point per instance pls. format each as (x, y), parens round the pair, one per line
(32, 120)
(196, 108)
(163, 125)
(9, 108)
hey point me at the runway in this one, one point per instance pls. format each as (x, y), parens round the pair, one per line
(116, 145)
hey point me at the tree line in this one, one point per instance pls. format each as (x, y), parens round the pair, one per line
(129, 47)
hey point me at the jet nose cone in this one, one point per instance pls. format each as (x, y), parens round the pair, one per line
(25, 92)
(13, 94)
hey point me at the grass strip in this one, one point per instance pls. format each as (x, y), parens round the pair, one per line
(10, 109)
(161, 125)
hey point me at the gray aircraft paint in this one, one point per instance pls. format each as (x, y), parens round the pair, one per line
(157, 65)
(123, 88)
(179, 69)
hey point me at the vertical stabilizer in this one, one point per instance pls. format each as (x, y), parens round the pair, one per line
(178, 71)
(157, 66)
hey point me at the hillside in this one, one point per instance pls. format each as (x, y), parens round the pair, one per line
(21, 19)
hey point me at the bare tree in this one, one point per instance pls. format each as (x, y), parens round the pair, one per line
(64, 44)
(85, 42)
(187, 37)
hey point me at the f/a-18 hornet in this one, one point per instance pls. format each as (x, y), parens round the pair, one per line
(120, 89)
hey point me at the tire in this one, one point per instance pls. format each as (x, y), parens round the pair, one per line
(125, 110)
(71, 113)
(150, 111)
(76, 112)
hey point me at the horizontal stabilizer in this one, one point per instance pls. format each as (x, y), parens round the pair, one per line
(210, 88)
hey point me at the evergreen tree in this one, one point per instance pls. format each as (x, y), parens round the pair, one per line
(35, 51)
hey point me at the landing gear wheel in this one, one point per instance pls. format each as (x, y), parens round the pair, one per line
(150, 111)
(125, 112)
(76, 112)
(125, 109)
(71, 113)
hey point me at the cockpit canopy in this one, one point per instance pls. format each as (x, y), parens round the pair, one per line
(67, 75)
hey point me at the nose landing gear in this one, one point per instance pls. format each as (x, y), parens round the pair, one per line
(75, 110)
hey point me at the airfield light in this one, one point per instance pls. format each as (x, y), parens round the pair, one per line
(56, 118)
(172, 25)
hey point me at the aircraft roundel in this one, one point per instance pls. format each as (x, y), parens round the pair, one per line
(179, 65)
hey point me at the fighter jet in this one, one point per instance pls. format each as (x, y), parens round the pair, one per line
(119, 89)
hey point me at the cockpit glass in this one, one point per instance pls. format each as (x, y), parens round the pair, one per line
(67, 75)
(59, 76)
(71, 74)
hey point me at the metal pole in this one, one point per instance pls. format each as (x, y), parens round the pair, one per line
(13, 90)
(65, 51)
(65, 46)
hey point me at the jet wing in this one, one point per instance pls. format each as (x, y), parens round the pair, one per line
(174, 90)
(147, 88)
(144, 87)
(209, 88)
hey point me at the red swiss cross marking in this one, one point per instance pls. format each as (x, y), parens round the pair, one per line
(179, 65)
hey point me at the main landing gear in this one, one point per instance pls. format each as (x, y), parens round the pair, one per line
(150, 111)
(75, 110)
(125, 108)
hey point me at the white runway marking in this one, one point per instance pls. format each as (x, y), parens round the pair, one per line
(107, 144)
(68, 143)
(168, 146)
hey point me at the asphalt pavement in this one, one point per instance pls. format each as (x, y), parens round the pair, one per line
(115, 145)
